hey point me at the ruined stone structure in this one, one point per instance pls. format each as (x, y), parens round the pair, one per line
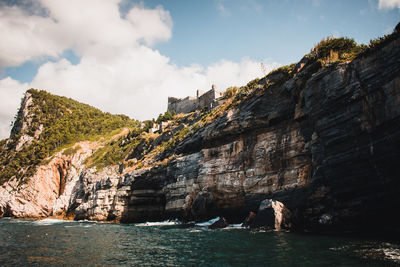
(318, 150)
(189, 104)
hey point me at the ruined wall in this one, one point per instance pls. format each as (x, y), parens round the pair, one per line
(185, 105)
(208, 99)
(325, 144)
(189, 104)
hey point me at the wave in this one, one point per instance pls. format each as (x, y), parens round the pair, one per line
(49, 221)
(373, 250)
(208, 223)
(164, 223)
(79, 226)
(235, 226)
(392, 254)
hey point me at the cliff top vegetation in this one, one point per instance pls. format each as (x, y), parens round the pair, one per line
(47, 123)
(54, 122)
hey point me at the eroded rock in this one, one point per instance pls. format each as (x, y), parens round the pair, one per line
(219, 224)
(323, 142)
(272, 214)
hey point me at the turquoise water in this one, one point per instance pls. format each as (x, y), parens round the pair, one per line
(65, 243)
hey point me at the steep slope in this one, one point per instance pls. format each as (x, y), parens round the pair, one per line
(322, 137)
(46, 123)
(41, 153)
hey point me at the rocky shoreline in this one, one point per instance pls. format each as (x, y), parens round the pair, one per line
(318, 151)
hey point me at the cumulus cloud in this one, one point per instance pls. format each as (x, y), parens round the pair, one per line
(25, 39)
(118, 70)
(388, 4)
(11, 92)
(151, 25)
(90, 27)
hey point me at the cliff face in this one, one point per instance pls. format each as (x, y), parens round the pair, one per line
(325, 143)
(48, 191)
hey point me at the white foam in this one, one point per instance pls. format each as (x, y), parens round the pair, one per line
(79, 226)
(392, 254)
(49, 221)
(208, 223)
(164, 223)
(195, 231)
(235, 226)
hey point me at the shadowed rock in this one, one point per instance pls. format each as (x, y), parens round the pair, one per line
(221, 223)
(272, 214)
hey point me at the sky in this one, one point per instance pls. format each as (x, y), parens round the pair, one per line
(127, 56)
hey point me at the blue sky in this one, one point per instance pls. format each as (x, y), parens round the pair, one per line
(281, 30)
(128, 56)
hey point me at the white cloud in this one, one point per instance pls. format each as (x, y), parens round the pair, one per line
(227, 73)
(388, 4)
(11, 92)
(151, 25)
(118, 70)
(136, 84)
(90, 27)
(25, 38)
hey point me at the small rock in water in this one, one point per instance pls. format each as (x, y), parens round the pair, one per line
(221, 223)
(325, 219)
(249, 220)
(272, 214)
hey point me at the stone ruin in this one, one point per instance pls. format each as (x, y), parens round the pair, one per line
(157, 127)
(188, 104)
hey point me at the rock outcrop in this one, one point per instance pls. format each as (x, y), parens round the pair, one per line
(49, 191)
(324, 145)
(220, 223)
(272, 214)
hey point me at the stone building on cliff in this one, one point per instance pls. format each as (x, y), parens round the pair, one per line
(188, 104)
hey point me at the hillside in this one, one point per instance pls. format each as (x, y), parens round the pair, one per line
(316, 141)
(46, 123)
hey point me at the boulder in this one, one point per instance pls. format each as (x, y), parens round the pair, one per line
(249, 220)
(272, 214)
(202, 204)
(221, 223)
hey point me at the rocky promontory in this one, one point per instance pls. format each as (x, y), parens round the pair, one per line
(319, 140)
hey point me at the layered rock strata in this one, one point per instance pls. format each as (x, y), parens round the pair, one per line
(324, 143)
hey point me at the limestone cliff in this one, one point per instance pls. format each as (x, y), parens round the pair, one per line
(48, 191)
(324, 141)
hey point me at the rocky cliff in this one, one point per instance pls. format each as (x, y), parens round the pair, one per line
(322, 141)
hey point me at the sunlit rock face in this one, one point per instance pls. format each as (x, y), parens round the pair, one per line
(48, 192)
(324, 144)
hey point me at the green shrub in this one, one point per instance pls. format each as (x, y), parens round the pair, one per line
(148, 124)
(336, 49)
(244, 91)
(287, 69)
(230, 92)
(64, 121)
(164, 117)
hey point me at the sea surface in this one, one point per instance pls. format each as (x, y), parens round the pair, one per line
(51, 242)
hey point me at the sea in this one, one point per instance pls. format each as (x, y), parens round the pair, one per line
(52, 242)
